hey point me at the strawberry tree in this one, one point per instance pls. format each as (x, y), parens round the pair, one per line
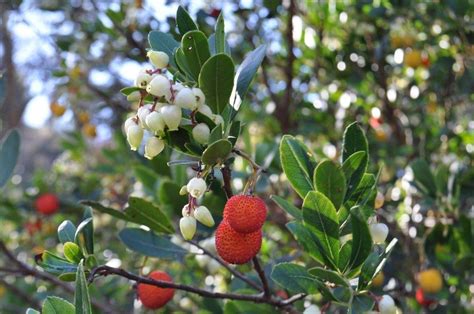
(188, 100)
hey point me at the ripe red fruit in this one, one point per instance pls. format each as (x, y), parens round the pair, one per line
(245, 213)
(235, 247)
(422, 299)
(153, 297)
(47, 204)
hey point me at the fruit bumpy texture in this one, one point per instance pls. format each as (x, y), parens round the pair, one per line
(430, 280)
(245, 213)
(235, 247)
(153, 297)
(47, 204)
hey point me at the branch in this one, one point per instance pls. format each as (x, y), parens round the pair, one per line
(226, 266)
(263, 279)
(102, 271)
(227, 177)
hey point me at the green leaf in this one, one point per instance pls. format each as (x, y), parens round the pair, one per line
(82, 299)
(68, 277)
(212, 45)
(33, 311)
(9, 151)
(217, 80)
(361, 239)
(196, 51)
(147, 176)
(163, 42)
(54, 264)
(361, 304)
(128, 90)
(72, 252)
(234, 132)
(245, 74)
(85, 229)
(143, 212)
(106, 210)
(151, 244)
(216, 134)
(220, 35)
(66, 231)
(217, 152)
(354, 140)
(294, 278)
(345, 255)
(329, 180)
(182, 64)
(374, 264)
(353, 171)
(424, 178)
(329, 275)
(298, 164)
(56, 305)
(184, 21)
(291, 209)
(307, 240)
(320, 217)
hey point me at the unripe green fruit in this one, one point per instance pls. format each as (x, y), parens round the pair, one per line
(171, 116)
(158, 58)
(160, 86)
(134, 136)
(153, 147)
(187, 226)
(201, 133)
(186, 99)
(155, 122)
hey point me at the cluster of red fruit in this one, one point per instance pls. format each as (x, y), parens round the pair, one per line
(47, 204)
(153, 297)
(239, 236)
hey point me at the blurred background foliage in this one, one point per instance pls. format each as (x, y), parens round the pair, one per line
(402, 68)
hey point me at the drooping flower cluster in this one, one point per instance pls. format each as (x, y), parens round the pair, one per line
(165, 105)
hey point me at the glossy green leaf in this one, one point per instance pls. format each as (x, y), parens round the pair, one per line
(294, 278)
(196, 51)
(354, 140)
(329, 275)
(216, 134)
(329, 180)
(82, 299)
(298, 164)
(361, 304)
(54, 264)
(220, 35)
(183, 66)
(9, 151)
(146, 176)
(56, 305)
(143, 212)
(234, 132)
(84, 229)
(353, 168)
(72, 252)
(128, 90)
(106, 210)
(374, 264)
(361, 239)
(217, 152)
(217, 80)
(291, 209)
(320, 217)
(66, 231)
(184, 21)
(345, 255)
(150, 244)
(307, 240)
(163, 42)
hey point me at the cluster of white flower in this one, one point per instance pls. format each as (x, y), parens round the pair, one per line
(166, 111)
(196, 187)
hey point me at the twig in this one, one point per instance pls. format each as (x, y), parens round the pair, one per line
(226, 266)
(263, 279)
(227, 177)
(102, 271)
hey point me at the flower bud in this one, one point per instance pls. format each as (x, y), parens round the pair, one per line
(218, 119)
(160, 86)
(187, 225)
(171, 116)
(379, 200)
(177, 87)
(203, 260)
(142, 79)
(184, 190)
(142, 113)
(134, 96)
(153, 147)
(130, 121)
(387, 305)
(186, 99)
(203, 215)
(155, 122)
(186, 211)
(206, 110)
(201, 133)
(379, 232)
(158, 58)
(196, 187)
(312, 309)
(200, 98)
(134, 136)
